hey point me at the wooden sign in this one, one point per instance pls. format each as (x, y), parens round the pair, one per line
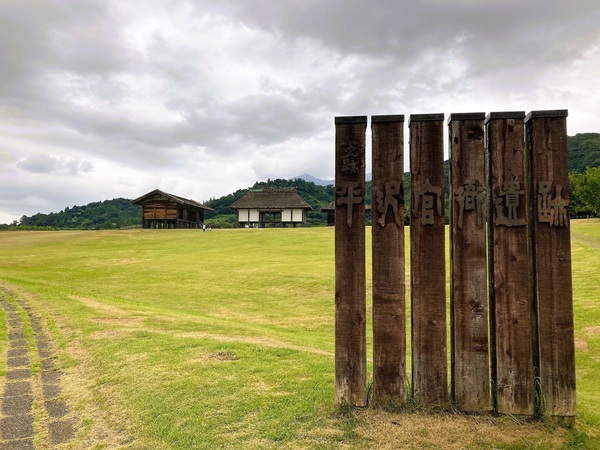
(427, 260)
(470, 369)
(350, 278)
(547, 146)
(510, 288)
(389, 317)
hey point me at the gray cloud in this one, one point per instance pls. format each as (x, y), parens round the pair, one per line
(45, 164)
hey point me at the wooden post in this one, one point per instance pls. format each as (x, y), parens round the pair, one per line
(427, 260)
(389, 316)
(350, 278)
(470, 369)
(510, 294)
(550, 235)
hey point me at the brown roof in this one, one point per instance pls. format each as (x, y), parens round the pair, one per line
(157, 194)
(331, 207)
(328, 207)
(271, 199)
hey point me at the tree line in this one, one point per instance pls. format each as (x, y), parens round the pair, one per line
(584, 191)
(105, 215)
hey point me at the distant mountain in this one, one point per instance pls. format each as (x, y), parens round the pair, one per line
(317, 181)
(321, 182)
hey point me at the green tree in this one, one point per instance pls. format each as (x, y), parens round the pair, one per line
(591, 190)
(584, 192)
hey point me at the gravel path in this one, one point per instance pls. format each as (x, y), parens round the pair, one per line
(18, 423)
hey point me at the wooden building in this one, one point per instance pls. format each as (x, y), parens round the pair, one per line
(329, 210)
(271, 207)
(163, 210)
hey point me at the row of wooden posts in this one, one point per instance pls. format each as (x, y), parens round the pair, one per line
(511, 305)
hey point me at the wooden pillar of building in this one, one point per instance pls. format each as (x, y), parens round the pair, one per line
(546, 133)
(510, 293)
(427, 260)
(389, 308)
(470, 369)
(350, 276)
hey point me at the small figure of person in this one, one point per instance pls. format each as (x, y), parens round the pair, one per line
(203, 227)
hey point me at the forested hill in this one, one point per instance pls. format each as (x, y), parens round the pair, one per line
(584, 168)
(584, 151)
(105, 215)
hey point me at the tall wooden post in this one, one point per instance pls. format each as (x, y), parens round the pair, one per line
(427, 259)
(350, 278)
(470, 369)
(389, 316)
(547, 146)
(510, 294)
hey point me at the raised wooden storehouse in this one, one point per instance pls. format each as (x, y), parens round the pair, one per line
(271, 207)
(329, 210)
(164, 210)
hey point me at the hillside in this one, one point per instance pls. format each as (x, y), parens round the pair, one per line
(108, 214)
(584, 153)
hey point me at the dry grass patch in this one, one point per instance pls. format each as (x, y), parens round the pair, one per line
(581, 345)
(254, 340)
(103, 308)
(134, 321)
(111, 333)
(386, 430)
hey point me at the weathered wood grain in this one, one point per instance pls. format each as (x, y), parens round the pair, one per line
(510, 293)
(427, 260)
(547, 146)
(350, 277)
(470, 369)
(388, 261)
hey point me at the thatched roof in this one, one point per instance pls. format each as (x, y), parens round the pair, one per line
(157, 194)
(286, 198)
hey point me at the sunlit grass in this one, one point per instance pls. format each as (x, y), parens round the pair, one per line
(224, 339)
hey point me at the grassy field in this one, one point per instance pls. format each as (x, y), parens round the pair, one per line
(178, 339)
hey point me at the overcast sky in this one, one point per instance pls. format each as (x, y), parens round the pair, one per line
(105, 99)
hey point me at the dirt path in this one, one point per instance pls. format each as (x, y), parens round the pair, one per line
(23, 424)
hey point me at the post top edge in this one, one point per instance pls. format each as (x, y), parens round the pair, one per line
(425, 117)
(505, 115)
(466, 116)
(350, 119)
(387, 118)
(549, 113)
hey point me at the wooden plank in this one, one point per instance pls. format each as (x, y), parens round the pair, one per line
(350, 276)
(510, 294)
(547, 146)
(470, 369)
(388, 261)
(427, 260)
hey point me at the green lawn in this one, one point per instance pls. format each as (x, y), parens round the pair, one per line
(179, 339)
